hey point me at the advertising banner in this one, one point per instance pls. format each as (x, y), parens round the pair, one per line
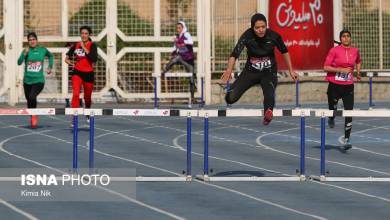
(306, 27)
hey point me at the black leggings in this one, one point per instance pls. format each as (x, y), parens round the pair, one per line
(31, 92)
(188, 65)
(345, 92)
(267, 80)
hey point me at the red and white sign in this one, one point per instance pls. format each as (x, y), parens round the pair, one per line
(306, 27)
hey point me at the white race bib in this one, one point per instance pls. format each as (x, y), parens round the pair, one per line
(261, 63)
(79, 52)
(34, 66)
(343, 77)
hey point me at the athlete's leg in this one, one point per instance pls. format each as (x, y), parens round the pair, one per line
(189, 66)
(76, 86)
(170, 64)
(348, 101)
(88, 88)
(333, 99)
(31, 92)
(241, 84)
(268, 85)
(27, 88)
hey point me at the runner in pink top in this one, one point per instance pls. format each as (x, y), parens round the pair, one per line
(340, 64)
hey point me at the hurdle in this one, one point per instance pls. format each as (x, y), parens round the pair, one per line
(370, 76)
(297, 104)
(206, 114)
(75, 112)
(302, 113)
(172, 75)
(323, 114)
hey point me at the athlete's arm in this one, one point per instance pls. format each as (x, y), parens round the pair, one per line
(22, 56)
(286, 56)
(287, 59)
(337, 69)
(92, 55)
(358, 67)
(228, 72)
(69, 54)
(51, 61)
(233, 56)
(329, 68)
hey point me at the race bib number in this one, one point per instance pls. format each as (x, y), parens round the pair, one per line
(261, 63)
(343, 77)
(79, 52)
(34, 66)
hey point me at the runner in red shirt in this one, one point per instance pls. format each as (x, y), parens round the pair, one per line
(85, 55)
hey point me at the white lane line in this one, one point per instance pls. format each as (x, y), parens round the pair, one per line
(247, 195)
(137, 138)
(176, 143)
(360, 193)
(275, 150)
(16, 209)
(258, 199)
(264, 201)
(178, 147)
(327, 184)
(156, 209)
(352, 191)
(261, 145)
(172, 215)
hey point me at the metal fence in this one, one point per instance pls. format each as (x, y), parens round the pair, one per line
(230, 18)
(135, 38)
(369, 22)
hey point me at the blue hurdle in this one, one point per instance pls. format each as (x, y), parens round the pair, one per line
(323, 114)
(132, 113)
(302, 113)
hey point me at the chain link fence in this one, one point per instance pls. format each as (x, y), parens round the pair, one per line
(230, 18)
(369, 22)
(142, 24)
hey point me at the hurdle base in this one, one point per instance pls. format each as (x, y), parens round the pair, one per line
(349, 179)
(163, 178)
(207, 178)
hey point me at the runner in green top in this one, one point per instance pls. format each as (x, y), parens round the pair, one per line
(33, 81)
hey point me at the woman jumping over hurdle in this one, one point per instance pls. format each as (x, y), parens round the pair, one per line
(260, 67)
(33, 57)
(183, 54)
(340, 64)
(85, 53)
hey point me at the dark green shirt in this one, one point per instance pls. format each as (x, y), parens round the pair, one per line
(33, 69)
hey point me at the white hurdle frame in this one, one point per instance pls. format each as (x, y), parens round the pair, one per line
(206, 113)
(323, 114)
(147, 113)
(302, 113)
(157, 76)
